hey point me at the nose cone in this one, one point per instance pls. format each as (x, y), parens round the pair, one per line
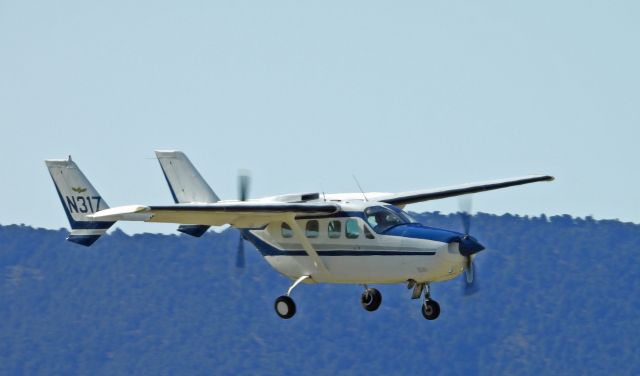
(469, 246)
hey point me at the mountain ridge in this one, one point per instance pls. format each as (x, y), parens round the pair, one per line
(557, 295)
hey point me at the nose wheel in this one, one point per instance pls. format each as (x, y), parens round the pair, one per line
(430, 308)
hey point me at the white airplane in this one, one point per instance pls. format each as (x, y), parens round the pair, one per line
(351, 238)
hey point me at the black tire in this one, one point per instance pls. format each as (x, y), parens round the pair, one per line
(285, 307)
(371, 299)
(430, 309)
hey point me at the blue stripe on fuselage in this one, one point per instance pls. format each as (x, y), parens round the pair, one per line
(267, 249)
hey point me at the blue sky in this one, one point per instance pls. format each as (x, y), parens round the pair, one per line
(405, 95)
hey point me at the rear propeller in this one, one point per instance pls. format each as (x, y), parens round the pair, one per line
(240, 262)
(244, 181)
(469, 246)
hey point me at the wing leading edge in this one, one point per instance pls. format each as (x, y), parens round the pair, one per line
(405, 198)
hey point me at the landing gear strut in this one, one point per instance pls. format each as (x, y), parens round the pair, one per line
(284, 305)
(370, 299)
(430, 308)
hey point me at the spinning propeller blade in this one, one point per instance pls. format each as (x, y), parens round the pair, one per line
(468, 245)
(244, 180)
(470, 285)
(465, 204)
(240, 262)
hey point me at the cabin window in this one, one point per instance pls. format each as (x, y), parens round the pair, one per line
(335, 229)
(313, 229)
(352, 229)
(286, 231)
(368, 234)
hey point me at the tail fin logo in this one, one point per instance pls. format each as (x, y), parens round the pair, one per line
(78, 189)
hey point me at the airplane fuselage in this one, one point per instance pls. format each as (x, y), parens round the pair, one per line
(355, 250)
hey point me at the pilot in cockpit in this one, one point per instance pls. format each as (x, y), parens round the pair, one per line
(382, 221)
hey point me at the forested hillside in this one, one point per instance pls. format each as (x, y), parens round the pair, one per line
(557, 295)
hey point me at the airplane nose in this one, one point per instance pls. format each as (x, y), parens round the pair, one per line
(469, 246)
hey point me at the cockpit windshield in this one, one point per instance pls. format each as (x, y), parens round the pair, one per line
(381, 218)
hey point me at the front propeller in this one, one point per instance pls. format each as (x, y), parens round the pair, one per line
(468, 246)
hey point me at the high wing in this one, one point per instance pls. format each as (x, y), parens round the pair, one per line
(405, 198)
(240, 214)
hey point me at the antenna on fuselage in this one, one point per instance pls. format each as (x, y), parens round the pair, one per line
(359, 187)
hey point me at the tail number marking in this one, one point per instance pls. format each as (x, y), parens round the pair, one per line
(83, 204)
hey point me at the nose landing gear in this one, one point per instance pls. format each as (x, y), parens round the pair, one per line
(430, 308)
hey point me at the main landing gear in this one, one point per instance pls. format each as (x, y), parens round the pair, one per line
(430, 308)
(286, 308)
(284, 305)
(370, 299)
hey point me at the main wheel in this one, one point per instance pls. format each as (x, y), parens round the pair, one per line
(371, 299)
(430, 309)
(285, 307)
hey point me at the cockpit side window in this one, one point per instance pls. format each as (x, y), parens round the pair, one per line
(382, 219)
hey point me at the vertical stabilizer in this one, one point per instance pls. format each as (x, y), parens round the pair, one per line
(79, 198)
(185, 182)
(186, 185)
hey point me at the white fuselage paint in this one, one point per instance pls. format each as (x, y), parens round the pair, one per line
(357, 260)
